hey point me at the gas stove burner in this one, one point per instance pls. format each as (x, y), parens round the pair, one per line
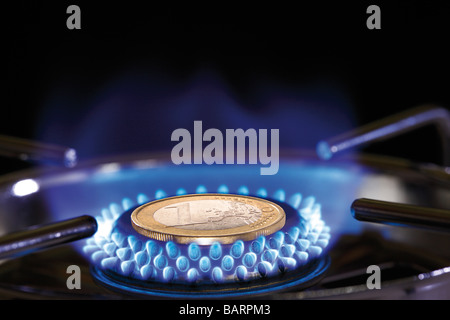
(298, 279)
(127, 261)
(411, 261)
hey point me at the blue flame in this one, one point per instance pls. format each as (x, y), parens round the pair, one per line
(115, 120)
(237, 249)
(172, 250)
(215, 251)
(146, 259)
(194, 251)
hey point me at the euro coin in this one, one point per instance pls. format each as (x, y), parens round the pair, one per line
(206, 218)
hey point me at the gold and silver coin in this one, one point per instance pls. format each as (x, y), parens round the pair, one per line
(205, 218)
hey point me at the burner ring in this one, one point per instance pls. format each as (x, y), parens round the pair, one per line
(299, 279)
(124, 257)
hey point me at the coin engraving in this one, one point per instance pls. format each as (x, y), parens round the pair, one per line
(205, 218)
(208, 214)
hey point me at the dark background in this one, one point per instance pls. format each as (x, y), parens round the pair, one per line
(52, 74)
